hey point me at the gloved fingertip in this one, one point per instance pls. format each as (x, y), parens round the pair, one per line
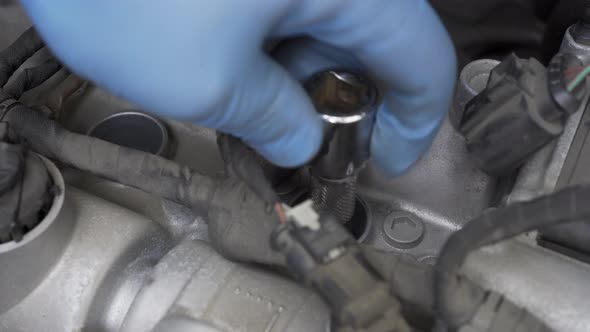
(295, 147)
(274, 115)
(395, 146)
(302, 58)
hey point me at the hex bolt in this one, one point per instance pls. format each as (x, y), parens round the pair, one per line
(403, 230)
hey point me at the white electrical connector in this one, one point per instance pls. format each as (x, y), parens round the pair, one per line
(304, 215)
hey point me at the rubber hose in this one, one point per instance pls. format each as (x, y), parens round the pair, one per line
(568, 205)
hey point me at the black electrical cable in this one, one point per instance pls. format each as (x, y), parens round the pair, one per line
(127, 166)
(242, 162)
(18, 52)
(32, 77)
(137, 169)
(238, 218)
(568, 205)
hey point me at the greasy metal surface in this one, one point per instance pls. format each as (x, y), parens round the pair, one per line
(181, 323)
(539, 174)
(110, 260)
(106, 242)
(553, 287)
(26, 263)
(196, 282)
(444, 189)
(179, 221)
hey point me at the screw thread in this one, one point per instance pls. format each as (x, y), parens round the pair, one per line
(335, 197)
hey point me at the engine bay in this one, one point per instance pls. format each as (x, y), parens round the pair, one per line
(117, 220)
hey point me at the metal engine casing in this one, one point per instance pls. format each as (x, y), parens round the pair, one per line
(127, 261)
(115, 270)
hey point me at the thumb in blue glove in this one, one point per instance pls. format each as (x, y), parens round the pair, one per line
(202, 61)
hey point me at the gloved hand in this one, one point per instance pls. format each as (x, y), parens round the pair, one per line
(202, 61)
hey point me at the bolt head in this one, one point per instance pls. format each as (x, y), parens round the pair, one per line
(403, 230)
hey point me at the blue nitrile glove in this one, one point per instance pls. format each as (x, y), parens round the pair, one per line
(202, 61)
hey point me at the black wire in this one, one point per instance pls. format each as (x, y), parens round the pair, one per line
(32, 77)
(18, 52)
(568, 205)
(243, 162)
(12, 105)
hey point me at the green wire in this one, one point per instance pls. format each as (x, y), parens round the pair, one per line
(579, 79)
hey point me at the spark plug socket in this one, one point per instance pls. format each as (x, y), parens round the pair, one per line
(346, 101)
